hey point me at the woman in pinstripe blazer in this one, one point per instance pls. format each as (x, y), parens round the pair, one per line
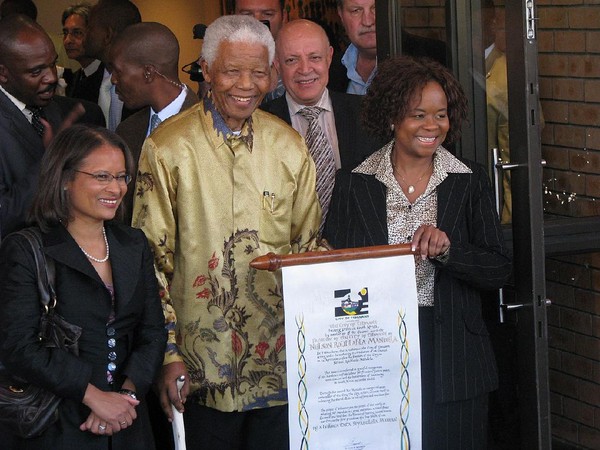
(414, 191)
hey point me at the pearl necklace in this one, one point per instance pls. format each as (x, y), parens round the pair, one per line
(411, 187)
(90, 257)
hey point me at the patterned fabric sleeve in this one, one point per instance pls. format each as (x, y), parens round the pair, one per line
(154, 212)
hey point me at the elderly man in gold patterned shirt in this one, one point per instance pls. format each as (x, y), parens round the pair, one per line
(217, 186)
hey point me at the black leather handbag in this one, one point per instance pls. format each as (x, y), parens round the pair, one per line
(28, 410)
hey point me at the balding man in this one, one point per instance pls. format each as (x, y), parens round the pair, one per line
(108, 18)
(303, 58)
(143, 61)
(27, 83)
(218, 185)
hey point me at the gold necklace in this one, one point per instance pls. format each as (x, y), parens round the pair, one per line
(411, 187)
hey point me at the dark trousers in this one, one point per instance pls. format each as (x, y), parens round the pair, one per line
(460, 425)
(257, 429)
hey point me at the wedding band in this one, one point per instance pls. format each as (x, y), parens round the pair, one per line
(101, 427)
(124, 423)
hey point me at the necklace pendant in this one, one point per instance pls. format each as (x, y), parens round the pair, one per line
(411, 189)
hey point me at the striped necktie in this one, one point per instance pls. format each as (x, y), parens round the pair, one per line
(36, 123)
(154, 122)
(322, 154)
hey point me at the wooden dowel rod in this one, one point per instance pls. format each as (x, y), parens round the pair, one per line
(273, 262)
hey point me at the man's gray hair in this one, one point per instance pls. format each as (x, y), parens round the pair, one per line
(236, 28)
(80, 9)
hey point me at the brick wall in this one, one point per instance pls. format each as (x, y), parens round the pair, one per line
(569, 67)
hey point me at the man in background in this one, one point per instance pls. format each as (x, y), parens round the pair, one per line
(303, 58)
(85, 83)
(143, 61)
(273, 14)
(108, 18)
(29, 113)
(360, 58)
(271, 11)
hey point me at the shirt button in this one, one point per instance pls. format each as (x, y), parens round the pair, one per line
(110, 331)
(112, 356)
(111, 366)
(112, 343)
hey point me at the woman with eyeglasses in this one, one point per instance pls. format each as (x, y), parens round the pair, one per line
(105, 284)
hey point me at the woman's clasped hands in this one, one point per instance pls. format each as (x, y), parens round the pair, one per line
(111, 411)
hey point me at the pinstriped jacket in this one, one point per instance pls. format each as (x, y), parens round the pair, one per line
(464, 361)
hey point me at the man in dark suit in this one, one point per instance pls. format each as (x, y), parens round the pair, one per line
(144, 64)
(27, 83)
(108, 18)
(302, 57)
(86, 81)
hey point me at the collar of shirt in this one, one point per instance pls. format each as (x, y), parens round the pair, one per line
(91, 67)
(380, 165)
(18, 103)
(357, 85)
(246, 135)
(324, 102)
(171, 109)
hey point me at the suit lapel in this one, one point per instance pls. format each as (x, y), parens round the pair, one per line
(279, 107)
(60, 246)
(20, 127)
(125, 256)
(343, 125)
(370, 199)
(452, 194)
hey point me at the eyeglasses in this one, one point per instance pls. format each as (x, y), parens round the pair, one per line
(77, 34)
(106, 178)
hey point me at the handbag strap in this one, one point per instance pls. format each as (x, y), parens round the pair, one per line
(44, 267)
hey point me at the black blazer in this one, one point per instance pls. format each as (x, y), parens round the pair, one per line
(86, 87)
(464, 360)
(21, 151)
(84, 300)
(354, 142)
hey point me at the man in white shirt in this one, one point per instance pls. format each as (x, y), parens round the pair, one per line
(303, 57)
(107, 20)
(143, 61)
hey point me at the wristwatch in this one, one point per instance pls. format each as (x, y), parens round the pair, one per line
(129, 392)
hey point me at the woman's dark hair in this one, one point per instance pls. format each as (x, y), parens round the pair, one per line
(51, 203)
(397, 81)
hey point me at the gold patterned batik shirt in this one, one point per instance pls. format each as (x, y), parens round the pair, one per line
(403, 217)
(210, 201)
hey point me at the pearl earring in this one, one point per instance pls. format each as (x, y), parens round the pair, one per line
(392, 127)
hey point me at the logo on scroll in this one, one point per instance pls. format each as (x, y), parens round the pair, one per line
(352, 304)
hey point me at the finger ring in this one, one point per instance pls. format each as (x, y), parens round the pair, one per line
(101, 427)
(124, 423)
